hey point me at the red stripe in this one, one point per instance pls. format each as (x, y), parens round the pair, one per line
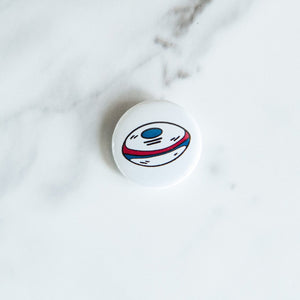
(154, 152)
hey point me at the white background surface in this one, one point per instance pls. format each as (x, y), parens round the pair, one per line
(71, 227)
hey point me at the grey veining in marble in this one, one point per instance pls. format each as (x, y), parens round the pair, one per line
(71, 227)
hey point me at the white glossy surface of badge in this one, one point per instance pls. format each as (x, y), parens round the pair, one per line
(156, 143)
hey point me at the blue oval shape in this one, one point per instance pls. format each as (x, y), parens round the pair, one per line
(151, 133)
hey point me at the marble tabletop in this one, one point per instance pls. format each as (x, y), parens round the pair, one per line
(72, 227)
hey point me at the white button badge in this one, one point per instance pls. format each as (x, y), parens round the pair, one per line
(156, 143)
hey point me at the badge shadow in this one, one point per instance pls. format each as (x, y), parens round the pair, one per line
(113, 112)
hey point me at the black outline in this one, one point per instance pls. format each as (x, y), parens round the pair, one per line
(175, 139)
(153, 143)
(134, 137)
(154, 140)
(159, 135)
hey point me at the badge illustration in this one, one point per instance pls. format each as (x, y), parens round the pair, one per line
(155, 144)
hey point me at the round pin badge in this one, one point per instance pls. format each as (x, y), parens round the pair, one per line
(156, 143)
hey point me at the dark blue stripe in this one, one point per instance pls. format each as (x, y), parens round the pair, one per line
(129, 156)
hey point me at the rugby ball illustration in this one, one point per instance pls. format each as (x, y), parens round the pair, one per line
(155, 144)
